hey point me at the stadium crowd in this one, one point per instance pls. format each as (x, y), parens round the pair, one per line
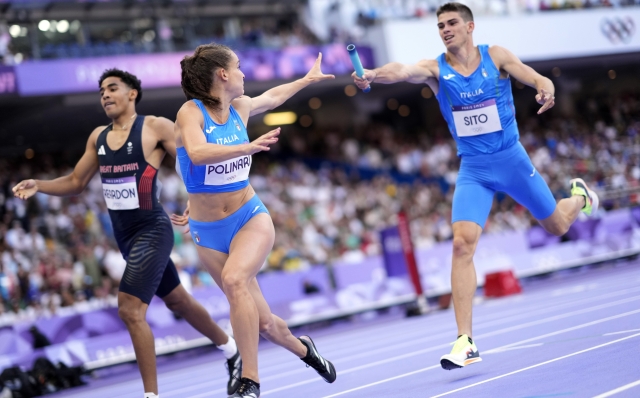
(57, 254)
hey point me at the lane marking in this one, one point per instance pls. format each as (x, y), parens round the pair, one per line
(444, 346)
(622, 332)
(411, 341)
(383, 381)
(619, 389)
(498, 350)
(537, 365)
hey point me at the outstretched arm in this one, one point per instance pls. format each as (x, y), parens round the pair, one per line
(396, 72)
(508, 62)
(276, 96)
(68, 185)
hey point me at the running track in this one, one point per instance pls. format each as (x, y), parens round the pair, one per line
(576, 334)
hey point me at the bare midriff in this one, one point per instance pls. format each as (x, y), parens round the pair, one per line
(209, 207)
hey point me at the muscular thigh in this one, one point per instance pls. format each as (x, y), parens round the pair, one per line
(519, 179)
(247, 252)
(146, 262)
(213, 261)
(250, 247)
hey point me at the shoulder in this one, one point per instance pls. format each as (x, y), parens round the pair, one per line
(158, 122)
(189, 107)
(93, 137)
(430, 64)
(499, 52)
(189, 113)
(429, 67)
(161, 127)
(242, 102)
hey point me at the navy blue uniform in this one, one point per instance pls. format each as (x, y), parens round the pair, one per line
(141, 227)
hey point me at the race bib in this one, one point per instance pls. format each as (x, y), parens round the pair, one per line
(227, 172)
(477, 119)
(120, 193)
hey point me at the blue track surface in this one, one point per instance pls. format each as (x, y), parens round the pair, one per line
(569, 335)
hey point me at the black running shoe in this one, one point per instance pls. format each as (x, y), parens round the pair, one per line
(234, 366)
(248, 389)
(325, 369)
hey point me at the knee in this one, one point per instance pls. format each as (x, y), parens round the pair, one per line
(462, 246)
(233, 284)
(557, 230)
(178, 305)
(130, 314)
(266, 324)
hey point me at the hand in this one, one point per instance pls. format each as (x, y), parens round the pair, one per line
(546, 99)
(262, 143)
(367, 79)
(315, 74)
(183, 219)
(25, 189)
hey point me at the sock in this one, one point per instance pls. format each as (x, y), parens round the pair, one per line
(150, 395)
(230, 349)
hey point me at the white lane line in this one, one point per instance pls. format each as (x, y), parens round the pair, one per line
(346, 344)
(619, 389)
(537, 365)
(567, 329)
(558, 317)
(350, 346)
(622, 332)
(497, 350)
(383, 381)
(444, 346)
(494, 309)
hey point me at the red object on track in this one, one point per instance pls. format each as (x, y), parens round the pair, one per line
(503, 283)
(407, 250)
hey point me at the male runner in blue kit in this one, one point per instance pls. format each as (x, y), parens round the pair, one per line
(128, 153)
(473, 89)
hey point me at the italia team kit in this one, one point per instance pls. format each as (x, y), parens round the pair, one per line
(480, 114)
(226, 176)
(141, 227)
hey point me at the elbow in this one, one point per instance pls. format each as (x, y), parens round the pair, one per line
(78, 188)
(196, 158)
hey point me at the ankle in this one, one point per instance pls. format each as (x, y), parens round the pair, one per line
(250, 379)
(229, 349)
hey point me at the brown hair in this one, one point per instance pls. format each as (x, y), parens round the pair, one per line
(464, 11)
(198, 69)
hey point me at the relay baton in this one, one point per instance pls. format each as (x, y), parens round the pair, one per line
(357, 65)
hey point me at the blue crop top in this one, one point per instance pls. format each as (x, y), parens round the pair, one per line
(227, 176)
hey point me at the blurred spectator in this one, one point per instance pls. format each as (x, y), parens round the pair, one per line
(324, 212)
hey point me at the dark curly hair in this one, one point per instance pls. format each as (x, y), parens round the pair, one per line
(127, 78)
(198, 69)
(464, 11)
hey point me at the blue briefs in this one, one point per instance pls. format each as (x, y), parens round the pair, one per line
(217, 235)
(509, 171)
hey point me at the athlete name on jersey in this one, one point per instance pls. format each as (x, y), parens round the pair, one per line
(227, 140)
(119, 168)
(120, 193)
(232, 170)
(471, 94)
(477, 119)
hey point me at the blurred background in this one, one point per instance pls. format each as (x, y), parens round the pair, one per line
(346, 165)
